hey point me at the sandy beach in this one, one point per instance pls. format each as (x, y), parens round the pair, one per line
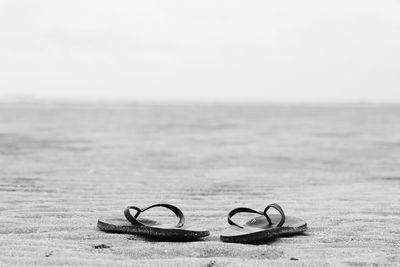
(64, 165)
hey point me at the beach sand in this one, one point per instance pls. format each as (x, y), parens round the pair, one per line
(64, 165)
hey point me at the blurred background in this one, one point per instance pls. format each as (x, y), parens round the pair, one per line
(268, 51)
(83, 133)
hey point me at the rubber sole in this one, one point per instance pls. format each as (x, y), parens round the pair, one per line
(261, 236)
(173, 234)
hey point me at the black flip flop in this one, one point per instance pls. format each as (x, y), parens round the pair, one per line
(150, 228)
(262, 228)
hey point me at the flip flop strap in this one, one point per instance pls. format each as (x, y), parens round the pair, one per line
(279, 209)
(248, 210)
(239, 210)
(132, 219)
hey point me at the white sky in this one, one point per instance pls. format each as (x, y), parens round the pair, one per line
(201, 50)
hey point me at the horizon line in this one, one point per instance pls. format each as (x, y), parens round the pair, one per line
(77, 100)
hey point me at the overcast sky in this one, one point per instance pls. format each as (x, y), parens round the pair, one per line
(201, 50)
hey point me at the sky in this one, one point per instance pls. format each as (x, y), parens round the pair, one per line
(224, 50)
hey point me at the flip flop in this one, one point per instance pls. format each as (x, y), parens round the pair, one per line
(151, 228)
(262, 228)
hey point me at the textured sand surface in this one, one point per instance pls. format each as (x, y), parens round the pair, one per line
(62, 166)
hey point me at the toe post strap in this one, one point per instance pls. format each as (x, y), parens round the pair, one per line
(134, 221)
(279, 209)
(130, 218)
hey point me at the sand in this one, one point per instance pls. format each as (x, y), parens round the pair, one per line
(62, 166)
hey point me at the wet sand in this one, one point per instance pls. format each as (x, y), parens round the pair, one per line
(62, 166)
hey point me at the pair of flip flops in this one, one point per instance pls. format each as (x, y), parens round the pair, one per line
(258, 229)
